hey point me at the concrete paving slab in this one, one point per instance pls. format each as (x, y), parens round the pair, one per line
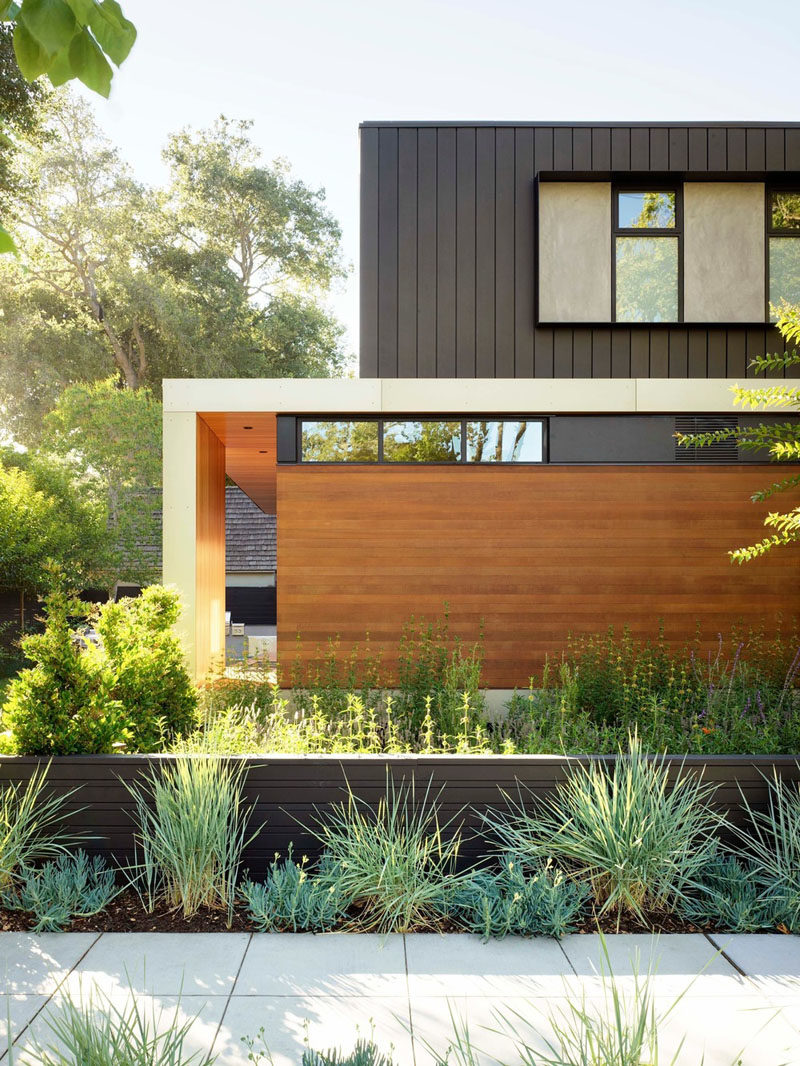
(31, 964)
(19, 1011)
(204, 1014)
(323, 964)
(771, 960)
(493, 1024)
(679, 961)
(326, 1021)
(162, 963)
(458, 964)
(720, 1031)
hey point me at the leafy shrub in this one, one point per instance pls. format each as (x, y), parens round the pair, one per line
(31, 825)
(65, 704)
(94, 1030)
(191, 826)
(728, 896)
(71, 886)
(773, 842)
(151, 681)
(395, 864)
(513, 900)
(290, 898)
(640, 842)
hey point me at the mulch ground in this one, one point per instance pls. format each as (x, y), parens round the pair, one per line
(126, 915)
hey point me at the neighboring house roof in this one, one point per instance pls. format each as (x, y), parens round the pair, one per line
(250, 535)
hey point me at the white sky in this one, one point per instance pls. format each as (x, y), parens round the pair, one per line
(308, 72)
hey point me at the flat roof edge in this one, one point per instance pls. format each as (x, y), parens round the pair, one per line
(579, 124)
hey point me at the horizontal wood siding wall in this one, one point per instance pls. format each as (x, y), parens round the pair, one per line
(448, 249)
(287, 791)
(526, 554)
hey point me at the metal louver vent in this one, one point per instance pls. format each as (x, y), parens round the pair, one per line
(725, 451)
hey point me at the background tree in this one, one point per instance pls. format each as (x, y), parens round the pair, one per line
(113, 277)
(780, 440)
(49, 529)
(63, 39)
(110, 437)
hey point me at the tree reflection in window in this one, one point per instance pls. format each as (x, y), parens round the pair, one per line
(423, 441)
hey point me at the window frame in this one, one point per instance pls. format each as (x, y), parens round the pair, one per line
(461, 463)
(774, 231)
(676, 232)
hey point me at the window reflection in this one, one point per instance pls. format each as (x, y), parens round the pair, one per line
(504, 442)
(647, 279)
(784, 271)
(785, 210)
(422, 442)
(339, 442)
(646, 210)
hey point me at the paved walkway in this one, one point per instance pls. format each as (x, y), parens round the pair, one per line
(407, 987)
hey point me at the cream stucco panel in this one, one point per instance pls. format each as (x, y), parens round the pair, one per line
(723, 252)
(575, 251)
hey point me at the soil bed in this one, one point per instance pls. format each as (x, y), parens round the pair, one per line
(126, 915)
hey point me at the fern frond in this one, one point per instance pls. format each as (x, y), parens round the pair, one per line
(788, 322)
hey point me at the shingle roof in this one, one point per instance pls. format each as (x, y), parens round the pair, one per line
(250, 535)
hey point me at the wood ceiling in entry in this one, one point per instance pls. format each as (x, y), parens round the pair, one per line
(250, 453)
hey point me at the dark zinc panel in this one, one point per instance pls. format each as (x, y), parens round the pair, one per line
(484, 252)
(448, 248)
(369, 277)
(387, 253)
(407, 255)
(465, 253)
(446, 255)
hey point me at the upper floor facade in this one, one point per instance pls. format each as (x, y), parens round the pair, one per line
(587, 251)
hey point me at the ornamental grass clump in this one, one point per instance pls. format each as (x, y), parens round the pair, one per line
(31, 825)
(395, 864)
(640, 840)
(728, 896)
(192, 830)
(772, 842)
(69, 887)
(94, 1030)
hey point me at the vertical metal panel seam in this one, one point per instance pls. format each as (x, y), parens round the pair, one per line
(416, 252)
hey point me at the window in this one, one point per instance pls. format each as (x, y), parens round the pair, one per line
(422, 442)
(783, 229)
(504, 442)
(416, 440)
(339, 442)
(646, 255)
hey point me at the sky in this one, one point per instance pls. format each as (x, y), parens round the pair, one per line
(307, 73)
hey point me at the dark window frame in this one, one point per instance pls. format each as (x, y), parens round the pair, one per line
(676, 232)
(774, 231)
(460, 463)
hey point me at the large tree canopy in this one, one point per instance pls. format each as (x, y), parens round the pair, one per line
(219, 274)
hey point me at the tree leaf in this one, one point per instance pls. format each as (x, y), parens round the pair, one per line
(60, 69)
(50, 22)
(89, 64)
(114, 33)
(6, 242)
(82, 10)
(33, 60)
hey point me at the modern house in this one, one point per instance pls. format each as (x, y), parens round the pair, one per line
(542, 307)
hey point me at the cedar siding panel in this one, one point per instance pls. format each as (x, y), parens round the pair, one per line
(448, 245)
(527, 554)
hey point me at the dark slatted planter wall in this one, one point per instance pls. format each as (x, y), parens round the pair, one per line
(286, 789)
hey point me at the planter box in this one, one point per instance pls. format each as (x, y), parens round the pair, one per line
(286, 789)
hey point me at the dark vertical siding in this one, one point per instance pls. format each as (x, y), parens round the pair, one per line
(448, 248)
